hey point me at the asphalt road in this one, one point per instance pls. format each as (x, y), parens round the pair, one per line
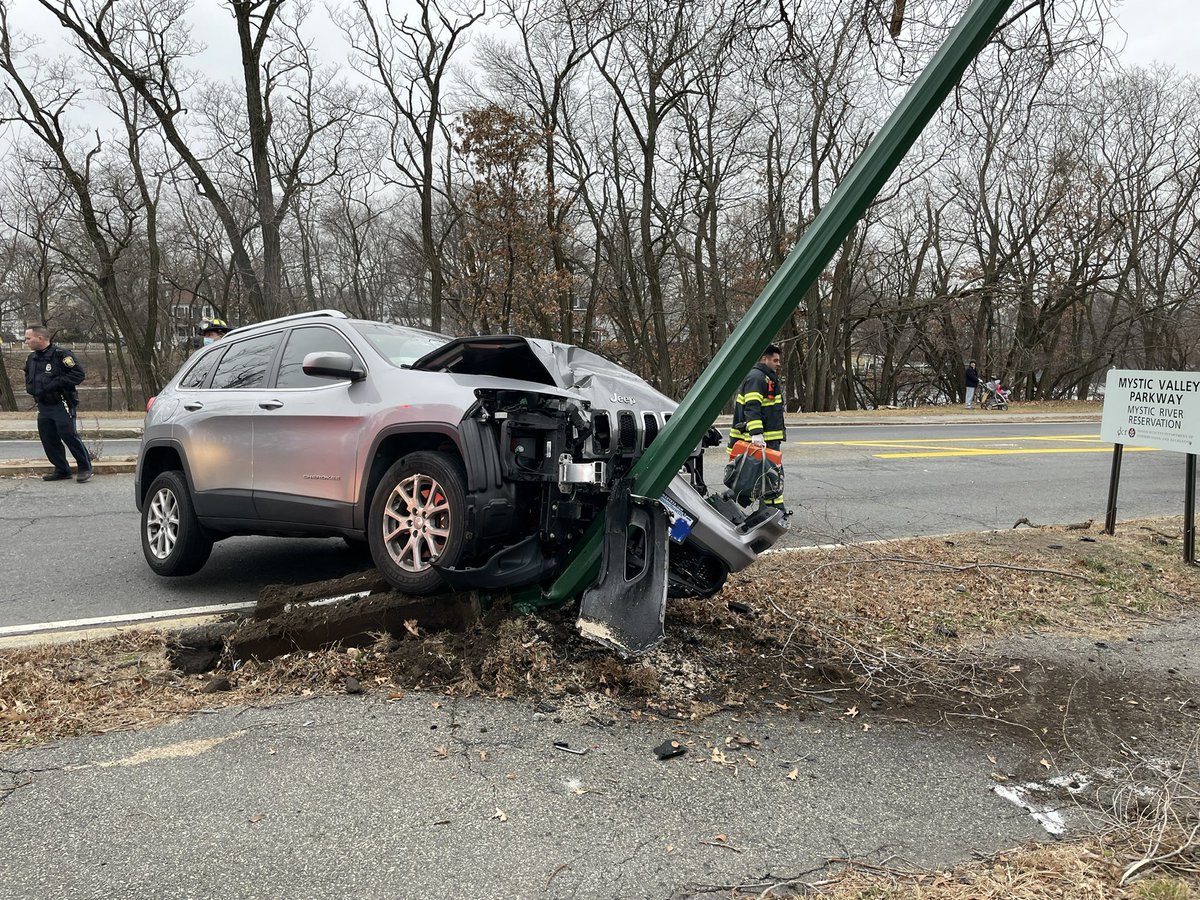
(864, 482)
(432, 796)
(72, 550)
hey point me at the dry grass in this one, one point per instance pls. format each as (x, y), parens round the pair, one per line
(1085, 870)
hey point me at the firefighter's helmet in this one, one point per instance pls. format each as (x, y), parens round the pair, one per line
(218, 325)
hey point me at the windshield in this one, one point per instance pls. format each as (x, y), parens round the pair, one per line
(399, 345)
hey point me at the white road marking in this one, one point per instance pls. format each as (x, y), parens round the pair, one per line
(100, 621)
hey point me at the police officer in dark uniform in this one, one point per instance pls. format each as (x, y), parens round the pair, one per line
(758, 408)
(51, 376)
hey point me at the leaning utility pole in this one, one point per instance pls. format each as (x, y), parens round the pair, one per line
(616, 606)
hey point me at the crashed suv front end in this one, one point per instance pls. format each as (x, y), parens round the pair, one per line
(576, 425)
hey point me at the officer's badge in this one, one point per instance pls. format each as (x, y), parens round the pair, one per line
(49, 367)
(69, 362)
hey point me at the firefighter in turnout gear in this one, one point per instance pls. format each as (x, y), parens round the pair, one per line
(758, 409)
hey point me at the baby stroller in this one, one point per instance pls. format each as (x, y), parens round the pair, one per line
(995, 396)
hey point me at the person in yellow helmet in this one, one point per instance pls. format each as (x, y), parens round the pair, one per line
(213, 329)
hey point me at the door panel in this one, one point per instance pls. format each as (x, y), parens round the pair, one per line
(216, 425)
(306, 437)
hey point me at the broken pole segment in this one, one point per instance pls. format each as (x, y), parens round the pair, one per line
(658, 465)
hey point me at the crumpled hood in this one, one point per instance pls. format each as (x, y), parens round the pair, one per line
(602, 383)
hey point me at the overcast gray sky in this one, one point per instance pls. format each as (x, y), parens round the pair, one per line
(1155, 31)
(1161, 30)
(1148, 31)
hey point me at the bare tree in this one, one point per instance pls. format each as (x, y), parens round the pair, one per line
(143, 44)
(41, 102)
(407, 59)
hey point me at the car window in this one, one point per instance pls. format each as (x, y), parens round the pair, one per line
(247, 363)
(399, 345)
(197, 375)
(300, 343)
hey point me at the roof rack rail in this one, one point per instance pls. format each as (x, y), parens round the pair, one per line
(312, 314)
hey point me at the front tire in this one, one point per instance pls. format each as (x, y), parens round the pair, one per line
(417, 518)
(173, 540)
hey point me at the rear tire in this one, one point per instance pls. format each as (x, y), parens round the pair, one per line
(173, 540)
(417, 518)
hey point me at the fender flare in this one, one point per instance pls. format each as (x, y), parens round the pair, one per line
(155, 443)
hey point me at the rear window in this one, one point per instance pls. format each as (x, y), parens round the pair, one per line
(197, 375)
(399, 345)
(247, 363)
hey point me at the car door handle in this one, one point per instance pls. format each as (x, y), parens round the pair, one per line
(193, 405)
(270, 404)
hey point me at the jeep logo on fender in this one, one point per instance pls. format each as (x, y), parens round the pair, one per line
(617, 398)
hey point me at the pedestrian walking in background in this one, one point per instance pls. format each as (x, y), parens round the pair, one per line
(758, 408)
(52, 374)
(972, 382)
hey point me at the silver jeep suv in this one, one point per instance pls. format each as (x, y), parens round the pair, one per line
(467, 462)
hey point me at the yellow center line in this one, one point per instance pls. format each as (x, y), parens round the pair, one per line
(971, 440)
(915, 448)
(983, 451)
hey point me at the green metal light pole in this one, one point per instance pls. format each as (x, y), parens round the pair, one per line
(654, 471)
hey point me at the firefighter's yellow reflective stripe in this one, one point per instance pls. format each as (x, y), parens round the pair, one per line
(754, 425)
(772, 435)
(746, 398)
(778, 399)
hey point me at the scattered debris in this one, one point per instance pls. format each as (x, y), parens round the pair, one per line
(669, 750)
(742, 609)
(352, 685)
(567, 748)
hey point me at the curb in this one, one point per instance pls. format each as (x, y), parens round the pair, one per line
(15, 468)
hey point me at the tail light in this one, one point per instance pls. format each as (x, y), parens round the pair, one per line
(150, 403)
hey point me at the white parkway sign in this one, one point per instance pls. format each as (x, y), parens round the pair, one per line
(1152, 409)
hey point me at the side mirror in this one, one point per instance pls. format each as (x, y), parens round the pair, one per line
(332, 364)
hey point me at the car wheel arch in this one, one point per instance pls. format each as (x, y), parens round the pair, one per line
(160, 456)
(390, 444)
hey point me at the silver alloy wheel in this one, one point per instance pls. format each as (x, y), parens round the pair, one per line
(416, 522)
(162, 523)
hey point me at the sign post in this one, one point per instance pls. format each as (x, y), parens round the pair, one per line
(1160, 410)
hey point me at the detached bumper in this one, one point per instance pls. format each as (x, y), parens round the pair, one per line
(712, 532)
